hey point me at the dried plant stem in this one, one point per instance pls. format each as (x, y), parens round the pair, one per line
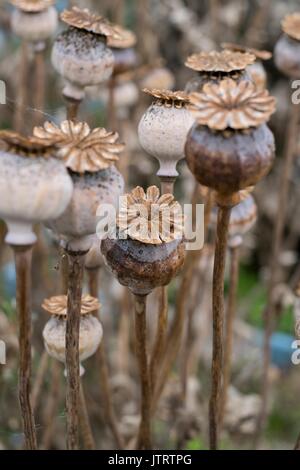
(22, 95)
(144, 437)
(51, 406)
(108, 408)
(40, 84)
(39, 380)
(215, 19)
(72, 108)
(76, 269)
(85, 425)
(230, 315)
(123, 341)
(23, 258)
(297, 445)
(218, 316)
(159, 344)
(274, 266)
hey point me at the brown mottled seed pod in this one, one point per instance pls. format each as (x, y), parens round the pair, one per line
(212, 67)
(80, 54)
(230, 147)
(287, 49)
(142, 261)
(164, 127)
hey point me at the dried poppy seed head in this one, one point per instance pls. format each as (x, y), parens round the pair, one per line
(230, 147)
(231, 106)
(34, 25)
(213, 67)
(144, 265)
(27, 194)
(123, 50)
(90, 22)
(287, 49)
(83, 149)
(149, 217)
(80, 54)
(163, 129)
(256, 71)
(54, 333)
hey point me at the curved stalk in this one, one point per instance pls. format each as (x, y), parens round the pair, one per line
(218, 317)
(144, 437)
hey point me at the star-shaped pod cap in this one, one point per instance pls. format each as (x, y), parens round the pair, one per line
(220, 62)
(83, 149)
(168, 97)
(58, 305)
(151, 218)
(232, 105)
(126, 40)
(91, 22)
(11, 141)
(32, 6)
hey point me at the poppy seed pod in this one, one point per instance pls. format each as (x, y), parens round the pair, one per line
(287, 49)
(89, 156)
(80, 54)
(164, 127)
(34, 26)
(27, 194)
(213, 67)
(148, 250)
(230, 147)
(256, 71)
(54, 333)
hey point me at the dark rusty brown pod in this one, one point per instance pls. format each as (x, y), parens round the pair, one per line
(232, 160)
(143, 267)
(287, 56)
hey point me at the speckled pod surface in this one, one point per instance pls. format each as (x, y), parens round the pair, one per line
(162, 133)
(34, 27)
(143, 267)
(83, 59)
(90, 336)
(287, 56)
(79, 220)
(229, 164)
(32, 189)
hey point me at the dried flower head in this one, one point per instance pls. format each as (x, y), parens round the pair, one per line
(126, 38)
(84, 19)
(259, 54)
(149, 217)
(168, 98)
(291, 25)
(222, 62)
(32, 6)
(81, 148)
(25, 146)
(231, 105)
(58, 305)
